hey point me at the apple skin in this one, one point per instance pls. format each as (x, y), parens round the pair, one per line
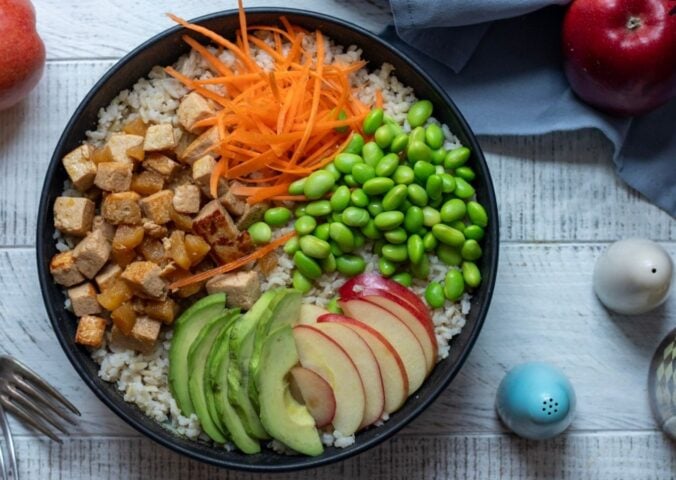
(22, 53)
(317, 395)
(620, 55)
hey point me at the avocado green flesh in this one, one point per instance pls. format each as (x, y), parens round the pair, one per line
(186, 330)
(282, 416)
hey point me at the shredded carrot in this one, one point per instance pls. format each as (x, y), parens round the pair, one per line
(379, 98)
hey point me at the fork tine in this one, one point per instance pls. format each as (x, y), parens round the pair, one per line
(3, 466)
(36, 395)
(7, 434)
(31, 376)
(17, 396)
(26, 417)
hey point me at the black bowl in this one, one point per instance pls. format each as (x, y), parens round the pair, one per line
(164, 49)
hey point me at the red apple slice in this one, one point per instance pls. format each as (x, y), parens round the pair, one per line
(366, 364)
(309, 313)
(319, 353)
(392, 371)
(396, 332)
(316, 393)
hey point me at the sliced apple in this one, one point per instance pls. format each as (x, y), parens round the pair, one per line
(392, 371)
(309, 313)
(366, 364)
(316, 394)
(321, 354)
(396, 332)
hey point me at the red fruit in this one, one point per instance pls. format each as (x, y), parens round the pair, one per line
(620, 55)
(22, 53)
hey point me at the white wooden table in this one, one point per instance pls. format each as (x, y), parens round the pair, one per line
(560, 205)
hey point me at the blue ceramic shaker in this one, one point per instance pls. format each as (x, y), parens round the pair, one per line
(536, 401)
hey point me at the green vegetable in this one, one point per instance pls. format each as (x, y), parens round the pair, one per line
(345, 162)
(370, 231)
(297, 187)
(471, 250)
(322, 232)
(395, 253)
(434, 136)
(318, 184)
(299, 212)
(305, 225)
(447, 182)
(375, 207)
(417, 135)
(373, 120)
(350, 265)
(404, 278)
(389, 220)
(358, 198)
(403, 175)
(331, 168)
(417, 195)
(477, 214)
(355, 217)
(421, 269)
(300, 282)
(314, 247)
(396, 236)
(342, 116)
(415, 248)
(399, 143)
(387, 165)
(340, 199)
(463, 189)
(434, 294)
(413, 220)
(328, 264)
(395, 197)
(378, 185)
(465, 172)
(307, 266)
(355, 145)
(333, 307)
(438, 156)
(457, 158)
(386, 267)
(422, 170)
(433, 187)
(419, 112)
(453, 210)
(372, 154)
(319, 208)
(449, 255)
(384, 135)
(291, 246)
(260, 232)
(454, 285)
(343, 236)
(474, 232)
(277, 216)
(430, 242)
(350, 181)
(471, 274)
(431, 216)
(359, 240)
(448, 235)
(418, 151)
(363, 172)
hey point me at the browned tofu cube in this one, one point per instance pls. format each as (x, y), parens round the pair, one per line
(113, 176)
(120, 143)
(80, 168)
(122, 207)
(108, 275)
(145, 278)
(90, 331)
(83, 300)
(193, 108)
(106, 228)
(160, 163)
(232, 203)
(154, 230)
(186, 199)
(201, 172)
(251, 215)
(63, 269)
(159, 137)
(241, 289)
(73, 215)
(120, 341)
(214, 224)
(91, 254)
(163, 310)
(146, 330)
(200, 146)
(157, 207)
(147, 182)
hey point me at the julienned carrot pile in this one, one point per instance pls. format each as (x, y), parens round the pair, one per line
(283, 123)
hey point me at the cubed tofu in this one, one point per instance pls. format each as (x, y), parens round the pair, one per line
(122, 207)
(241, 289)
(145, 278)
(120, 341)
(146, 330)
(63, 269)
(193, 108)
(91, 254)
(214, 224)
(106, 228)
(80, 168)
(73, 215)
(231, 250)
(120, 143)
(160, 163)
(159, 137)
(186, 199)
(232, 203)
(90, 331)
(147, 182)
(108, 275)
(251, 215)
(201, 172)
(154, 230)
(113, 176)
(157, 207)
(200, 146)
(83, 300)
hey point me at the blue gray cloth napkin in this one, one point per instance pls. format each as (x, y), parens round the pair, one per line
(500, 61)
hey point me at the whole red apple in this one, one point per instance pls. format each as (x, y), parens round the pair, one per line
(22, 53)
(620, 55)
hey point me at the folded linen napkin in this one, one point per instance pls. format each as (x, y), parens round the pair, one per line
(500, 61)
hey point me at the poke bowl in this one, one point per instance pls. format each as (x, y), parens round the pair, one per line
(267, 240)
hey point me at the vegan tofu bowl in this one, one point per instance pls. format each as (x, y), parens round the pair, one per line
(267, 240)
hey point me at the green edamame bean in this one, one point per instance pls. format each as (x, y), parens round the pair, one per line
(449, 255)
(305, 225)
(387, 165)
(314, 247)
(396, 236)
(277, 216)
(388, 119)
(386, 267)
(372, 121)
(406, 204)
(403, 278)
(418, 151)
(415, 247)
(477, 214)
(417, 195)
(342, 235)
(297, 187)
(333, 306)
(318, 208)
(471, 250)
(453, 210)
(375, 207)
(340, 199)
(370, 231)
(414, 219)
(403, 175)
(363, 172)
(372, 154)
(291, 246)
(454, 285)
(419, 112)
(346, 161)
(350, 265)
(456, 158)
(438, 156)
(350, 181)
(299, 212)
(343, 128)
(328, 264)
(355, 217)
(421, 269)
(389, 220)
(300, 282)
(359, 240)
(319, 183)
(439, 169)
(336, 251)
(399, 143)
(395, 253)
(434, 294)
(465, 172)
(434, 136)
(458, 225)
(395, 197)
(463, 189)
(307, 266)
(430, 242)
(447, 182)
(474, 232)
(355, 145)
(260, 232)
(433, 187)
(471, 274)
(322, 232)
(358, 198)
(436, 202)
(384, 135)
(336, 217)
(422, 170)
(417, 135)
(431, 216)
(378, 247)
(378, 185)
(331, 168)
(448, 235)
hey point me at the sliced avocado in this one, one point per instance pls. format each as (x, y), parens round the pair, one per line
(222, 336)
(197, 359)
(186, 330)
(218, 365)
(283, 417)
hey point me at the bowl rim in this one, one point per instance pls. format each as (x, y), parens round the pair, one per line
(44, 231)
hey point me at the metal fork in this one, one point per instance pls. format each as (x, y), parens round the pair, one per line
(32, 400)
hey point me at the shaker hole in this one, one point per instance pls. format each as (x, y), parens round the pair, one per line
(654, 270)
